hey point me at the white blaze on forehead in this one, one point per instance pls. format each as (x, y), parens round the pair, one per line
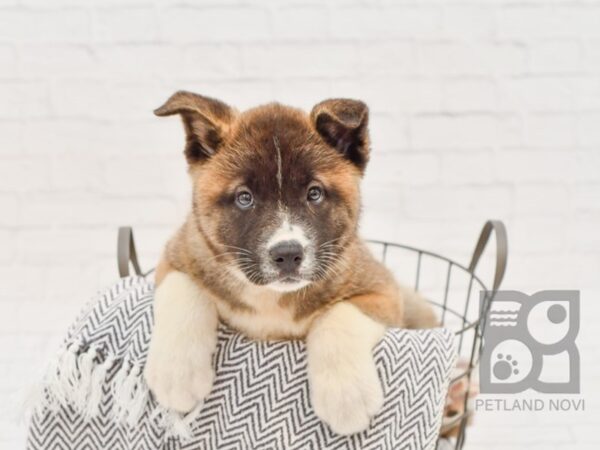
(279, 166)
(288, 232)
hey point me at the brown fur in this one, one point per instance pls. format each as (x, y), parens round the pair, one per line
(333, 139)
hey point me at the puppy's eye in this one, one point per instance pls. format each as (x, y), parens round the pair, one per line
(315, 194)
(244, 199)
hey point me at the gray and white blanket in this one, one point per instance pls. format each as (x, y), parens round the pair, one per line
(94, 395)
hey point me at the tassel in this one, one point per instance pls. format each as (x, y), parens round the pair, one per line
(61, 374)
(53, 395)
(68, 372)
(175, 425)
(181, 429)
(178, 425)
(190, 418)
(140, 398)
(130, 394)
(127, 394)
(85, 364)
(119, 390)
(94, 399)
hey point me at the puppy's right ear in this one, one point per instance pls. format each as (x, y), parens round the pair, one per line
(205, 119)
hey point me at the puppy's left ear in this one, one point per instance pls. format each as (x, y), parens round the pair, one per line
(343, 124)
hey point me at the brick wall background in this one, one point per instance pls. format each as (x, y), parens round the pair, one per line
(480, 109)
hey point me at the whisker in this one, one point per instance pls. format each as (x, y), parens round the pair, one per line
(329, 242)
(224, 254)
(239, 248)
(331, 246)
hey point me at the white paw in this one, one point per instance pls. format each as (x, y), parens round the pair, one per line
(178, 383)
(346, 395)
(344, 386)
(179, 368)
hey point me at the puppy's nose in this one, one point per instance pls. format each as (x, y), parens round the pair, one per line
(287, 255)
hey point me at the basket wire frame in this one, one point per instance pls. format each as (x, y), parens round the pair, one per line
(126, 255)
(477, 323)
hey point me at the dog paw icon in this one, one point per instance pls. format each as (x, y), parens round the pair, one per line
(510, 362)
(505, 367)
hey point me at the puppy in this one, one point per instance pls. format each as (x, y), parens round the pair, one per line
(270, 247)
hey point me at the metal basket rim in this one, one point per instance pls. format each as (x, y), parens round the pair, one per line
(467, 325)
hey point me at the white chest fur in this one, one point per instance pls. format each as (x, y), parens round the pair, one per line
(268, 319)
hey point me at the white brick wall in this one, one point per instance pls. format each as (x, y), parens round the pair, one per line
(480, 109)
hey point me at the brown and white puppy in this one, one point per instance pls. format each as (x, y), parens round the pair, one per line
(270, 247)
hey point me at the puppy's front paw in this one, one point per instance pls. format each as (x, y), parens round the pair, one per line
(179, 369)
(346, 394)
(177, 382)
(344, 386)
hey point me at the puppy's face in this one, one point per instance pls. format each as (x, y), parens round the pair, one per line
(275, 190)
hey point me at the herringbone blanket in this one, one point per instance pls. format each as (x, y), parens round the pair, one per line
(94, 396)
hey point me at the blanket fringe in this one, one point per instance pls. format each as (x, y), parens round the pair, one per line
(62, 376)
(130, 393)
(83, 386)
(99, 374)
(139, 400)
(176, 424)
(78, 377)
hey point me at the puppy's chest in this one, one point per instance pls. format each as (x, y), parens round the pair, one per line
(269, 318)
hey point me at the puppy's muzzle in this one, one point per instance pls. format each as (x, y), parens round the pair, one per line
(287, 256)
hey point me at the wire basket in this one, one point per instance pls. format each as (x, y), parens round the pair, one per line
(457, 312)
(435, 277)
